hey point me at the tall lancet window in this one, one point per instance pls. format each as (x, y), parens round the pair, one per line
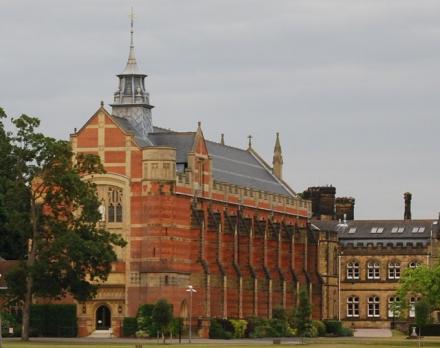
(114, 207)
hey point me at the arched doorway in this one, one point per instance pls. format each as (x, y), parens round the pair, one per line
(103, 318)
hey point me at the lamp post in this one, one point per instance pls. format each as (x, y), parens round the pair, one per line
(340, 227)
(1, 337)
(191, 290)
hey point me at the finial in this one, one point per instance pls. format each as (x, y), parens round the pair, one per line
(250, 141)
(131, 16)
(222, 140)
(74, 130)
(102, 103)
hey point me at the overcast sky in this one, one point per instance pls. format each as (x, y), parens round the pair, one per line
(352, 86)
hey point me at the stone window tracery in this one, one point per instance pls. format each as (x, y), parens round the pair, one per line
(114, 205)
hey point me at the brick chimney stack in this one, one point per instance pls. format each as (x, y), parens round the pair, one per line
(407, 197)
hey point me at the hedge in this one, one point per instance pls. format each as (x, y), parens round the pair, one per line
(129, 327)
(53, 320)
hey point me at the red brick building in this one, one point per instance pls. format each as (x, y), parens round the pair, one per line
(194, 212)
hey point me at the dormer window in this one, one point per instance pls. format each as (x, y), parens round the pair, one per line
(377, 229)
(352, 230)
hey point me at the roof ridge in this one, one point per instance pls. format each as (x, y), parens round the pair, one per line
(230, 146)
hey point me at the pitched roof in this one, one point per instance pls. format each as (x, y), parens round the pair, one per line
(240, 167)
(230, 165)
(380, 229)
(126, 126)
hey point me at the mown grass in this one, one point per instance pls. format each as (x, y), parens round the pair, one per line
(318, 343)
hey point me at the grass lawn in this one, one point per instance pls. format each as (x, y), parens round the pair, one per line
(318, 343)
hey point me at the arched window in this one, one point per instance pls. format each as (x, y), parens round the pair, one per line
(373, 270)
(393, 307)
(413, 264)
(412, 307)
(394, 270)
(373, 310)
(114, 204)
(353, 270)
(353, 307)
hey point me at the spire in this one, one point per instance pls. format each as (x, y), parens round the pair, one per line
(277, 159)
(250, 142)
(131, 67)
(131, 100)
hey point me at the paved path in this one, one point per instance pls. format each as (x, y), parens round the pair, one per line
(373, 333)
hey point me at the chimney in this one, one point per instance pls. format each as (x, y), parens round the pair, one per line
(407, 197)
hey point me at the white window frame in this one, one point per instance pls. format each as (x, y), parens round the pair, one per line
(412, 307)
(353, 270)
(413, 264)
(373, 270)
(373, 307)
(394, 270)
(391, 313)
(353, 307)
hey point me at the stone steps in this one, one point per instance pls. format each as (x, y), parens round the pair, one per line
(102, 334)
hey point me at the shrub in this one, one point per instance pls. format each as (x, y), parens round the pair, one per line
(145, 325)
(320, 327)
(129, 327)
(53, 320)
(221, 329)
(310, 330)
(333, 327)
(279, 313)
(346, 332)
(239, 327)
(10, 321)
(253, 322)
(278, 328)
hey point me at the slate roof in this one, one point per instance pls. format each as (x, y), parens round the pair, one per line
(392, 229)
(182, 142)
(126, 126)
(230, 165)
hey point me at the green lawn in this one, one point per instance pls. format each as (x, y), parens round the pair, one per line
(318, 343)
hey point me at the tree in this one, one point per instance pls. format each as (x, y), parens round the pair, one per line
(302, 316)
(422, 315)
(67, 249)
(423, 282)
(162, 316)
(14, 202)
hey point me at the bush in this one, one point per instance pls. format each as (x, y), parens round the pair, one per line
(129, 327)
(221, 329)
(279, 328)
(10, 321)
(252, 323)
(279, 313)
(145, 325)
(239, 327)
(333, 327)
(346, 332)
(53, 320)
(320, 327)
